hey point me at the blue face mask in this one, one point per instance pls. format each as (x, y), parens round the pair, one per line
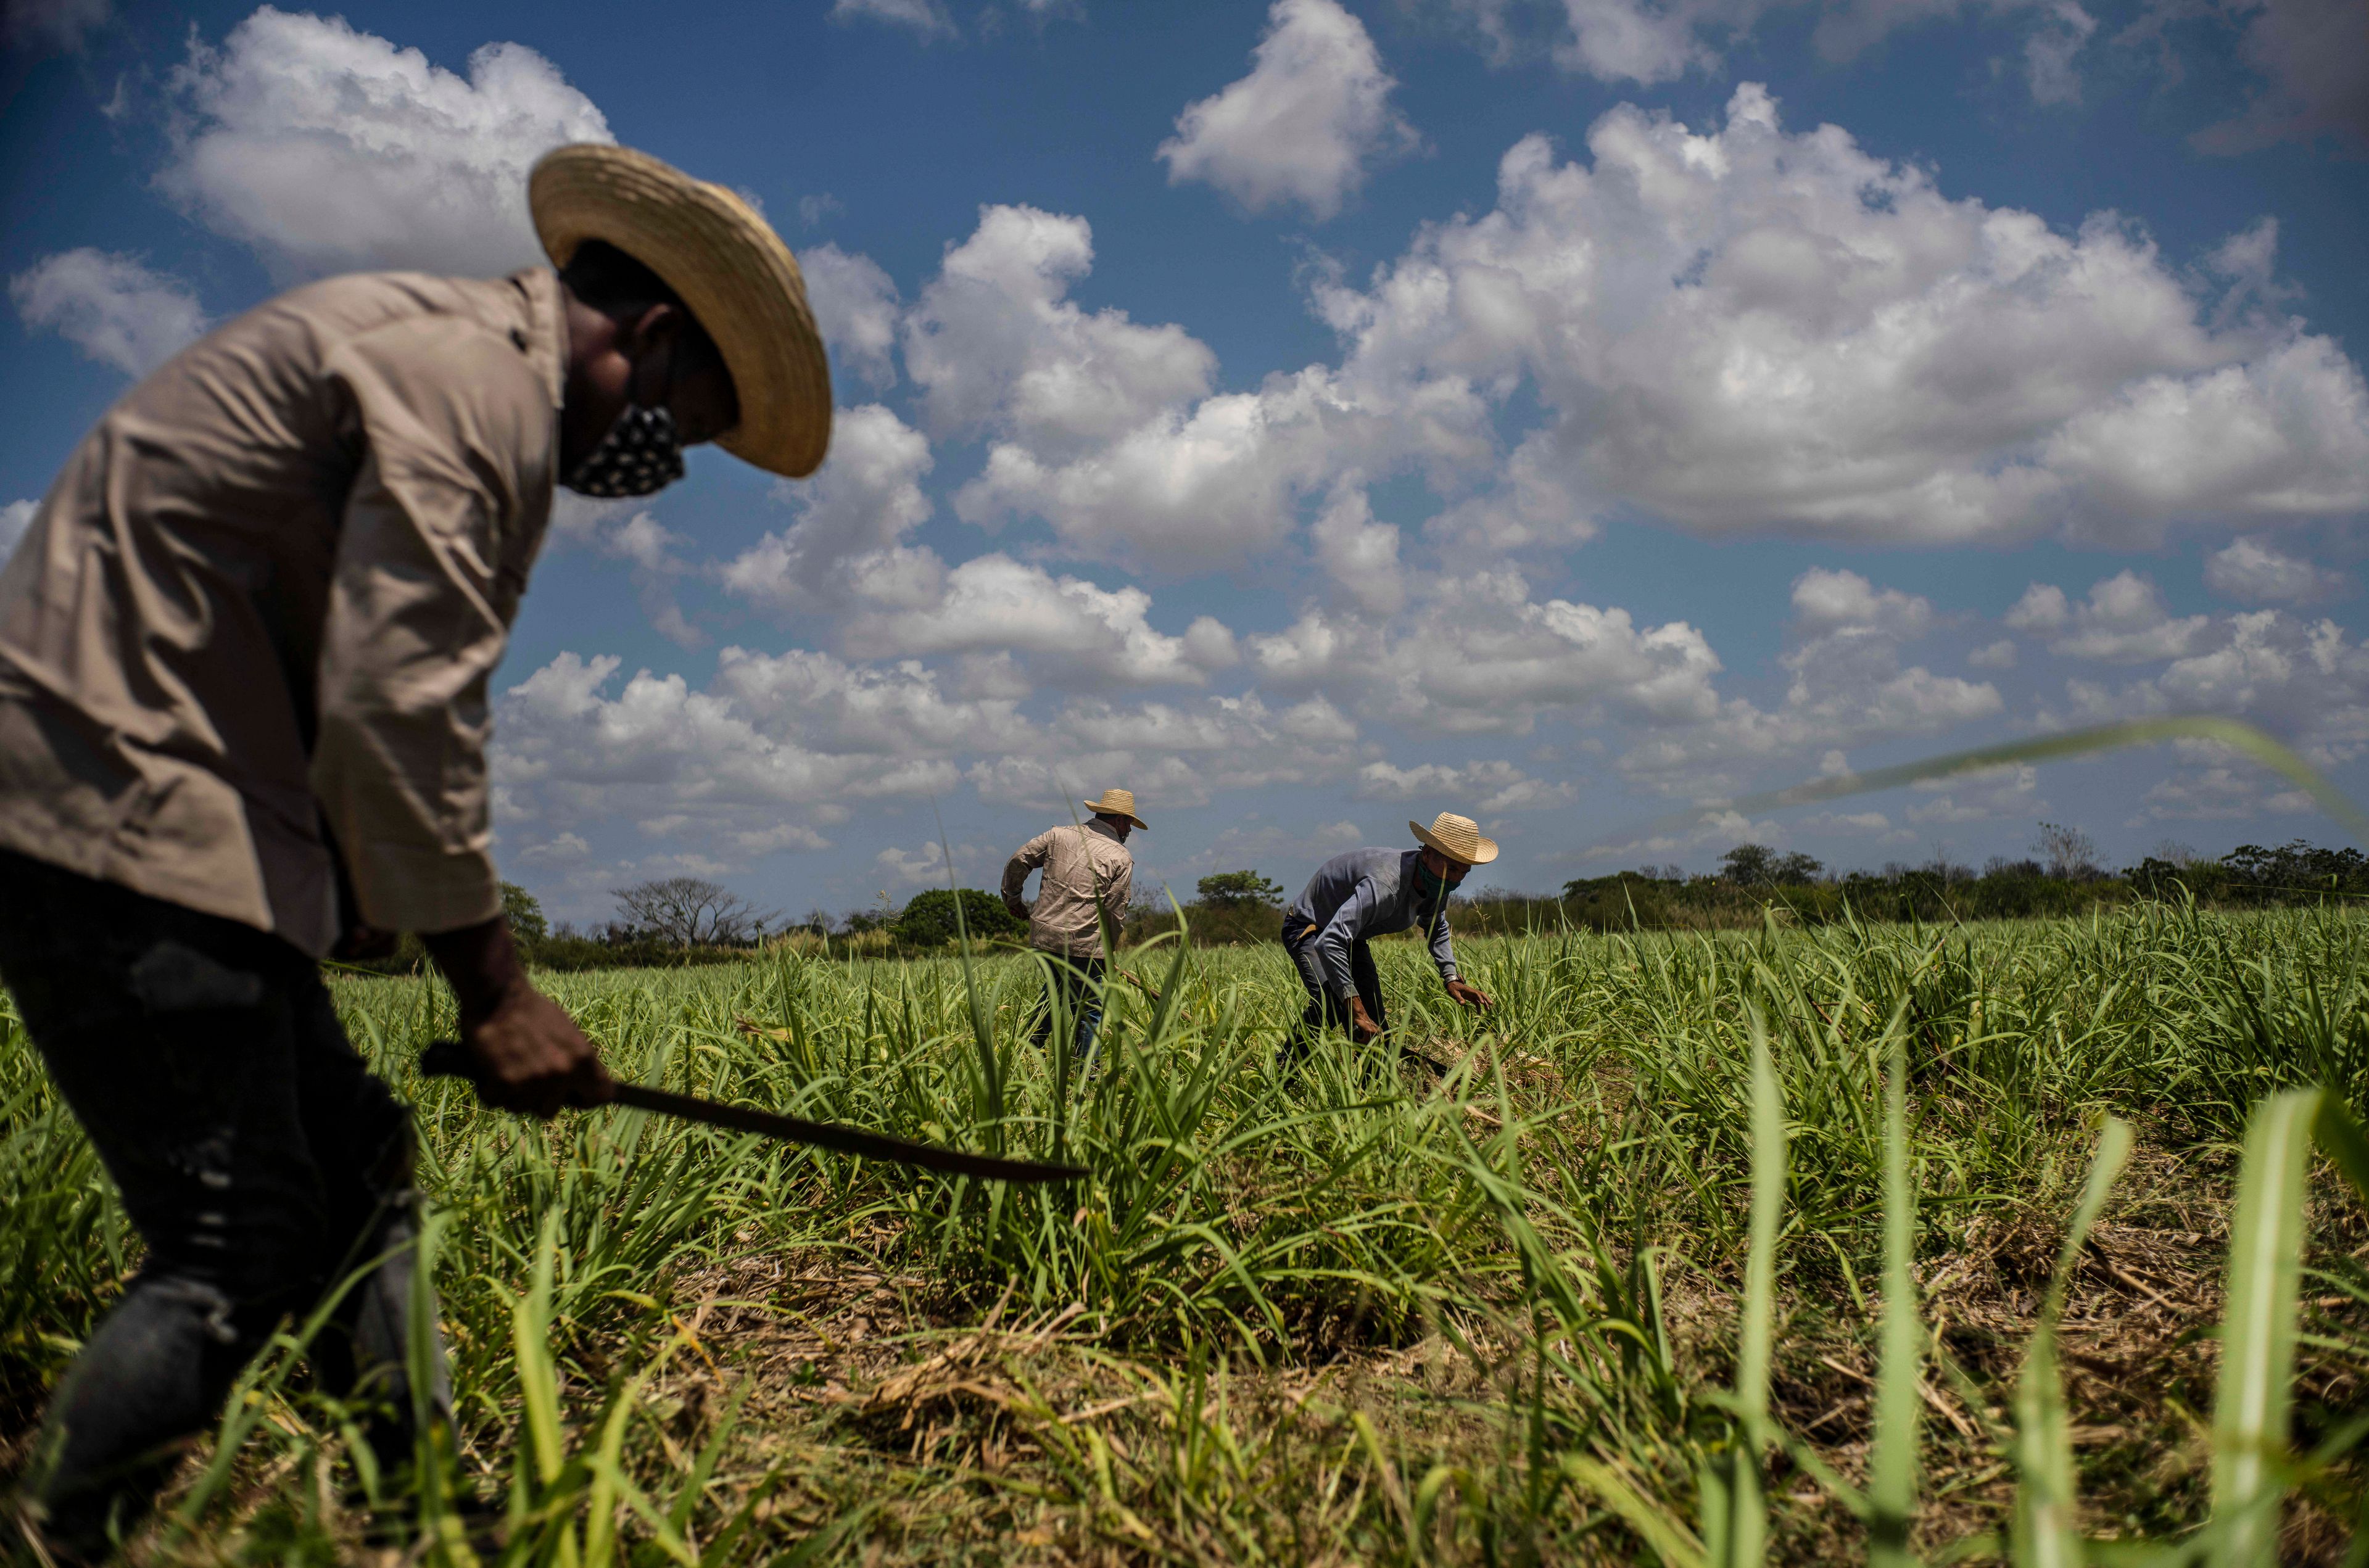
(1431, 884)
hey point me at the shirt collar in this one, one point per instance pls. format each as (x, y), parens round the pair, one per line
(1097, 825)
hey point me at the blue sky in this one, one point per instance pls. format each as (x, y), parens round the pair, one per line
(1313, 415)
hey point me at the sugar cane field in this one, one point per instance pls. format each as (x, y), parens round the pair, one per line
(1890, 1242)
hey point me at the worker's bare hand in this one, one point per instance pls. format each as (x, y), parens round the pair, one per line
(527, 1054)
(1470, 995)
(1362, 1027)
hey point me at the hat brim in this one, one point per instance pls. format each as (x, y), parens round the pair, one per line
(1484, 852)
(731, 269)
(1099, 809)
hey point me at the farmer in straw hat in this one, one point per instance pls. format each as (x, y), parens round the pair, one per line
(243, 655)
(1363, 894)
(1088, 877)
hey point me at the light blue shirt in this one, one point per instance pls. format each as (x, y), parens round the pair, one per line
(1362, 894)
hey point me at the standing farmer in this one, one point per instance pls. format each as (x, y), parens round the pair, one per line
(243, 655)
(1363, 894)
(1088, 877)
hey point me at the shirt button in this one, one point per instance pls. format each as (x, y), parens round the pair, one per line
(518, 340)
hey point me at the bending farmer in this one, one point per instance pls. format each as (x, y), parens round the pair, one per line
(243, 655)
(1088, 878)
(1363, 894)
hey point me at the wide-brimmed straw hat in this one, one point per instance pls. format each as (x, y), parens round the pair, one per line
(731, 269)
(1118, 803)
(1457, 837)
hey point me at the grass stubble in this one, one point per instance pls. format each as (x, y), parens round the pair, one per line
(1868, 1242)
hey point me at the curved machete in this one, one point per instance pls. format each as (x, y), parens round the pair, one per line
(445, 1059)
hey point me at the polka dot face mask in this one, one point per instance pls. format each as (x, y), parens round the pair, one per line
(639, 456)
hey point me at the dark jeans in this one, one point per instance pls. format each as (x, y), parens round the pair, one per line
(1077, 985)
(257, 1155)
(1325, 1010)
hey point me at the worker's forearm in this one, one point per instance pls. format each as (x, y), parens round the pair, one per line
(480, 962)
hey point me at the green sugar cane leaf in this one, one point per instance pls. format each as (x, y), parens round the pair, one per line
(607, 1472)
(1734, 1509)
(2243, 738)
(2340, 1137)
(430, 1394)
(2046, 1532)
(2258, 1334)
(601, 1504)
(1173, 989)
(531, 1341)
(1892, 1462)
(1768, 1210)
(1670, 1540)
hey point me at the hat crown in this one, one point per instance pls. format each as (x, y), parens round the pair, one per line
(1460, 834)
(1116, 800)
(1457, 837)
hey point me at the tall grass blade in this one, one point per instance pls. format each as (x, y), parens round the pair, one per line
(1735, 1506)
(538, 1379)
(1768, 1210)
(2258, 1334)
(2342, 1139)
(601, 1504)
(1892, 1462)
(2048, 1526)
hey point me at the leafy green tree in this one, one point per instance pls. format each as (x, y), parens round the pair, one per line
(1238, 889)
(929, 920)
(529, 928)
(1748, 863)
(1755, 865)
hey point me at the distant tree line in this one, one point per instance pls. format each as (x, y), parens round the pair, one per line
(2063, 874)
(686, 919)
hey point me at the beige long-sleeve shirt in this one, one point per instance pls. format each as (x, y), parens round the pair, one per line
(1080, 863)
(259, 607)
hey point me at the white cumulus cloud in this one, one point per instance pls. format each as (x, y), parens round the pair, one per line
(1069, 629)
(856, 304)
(1360, 554)
(926, 19)
(1305, 127)
(995, 345)
(108, 305)
(1480, 789)
(2049, 51)
(2255, 571)
(2125, 622)
(1745, 328)
(328, 149)
(853, 514)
